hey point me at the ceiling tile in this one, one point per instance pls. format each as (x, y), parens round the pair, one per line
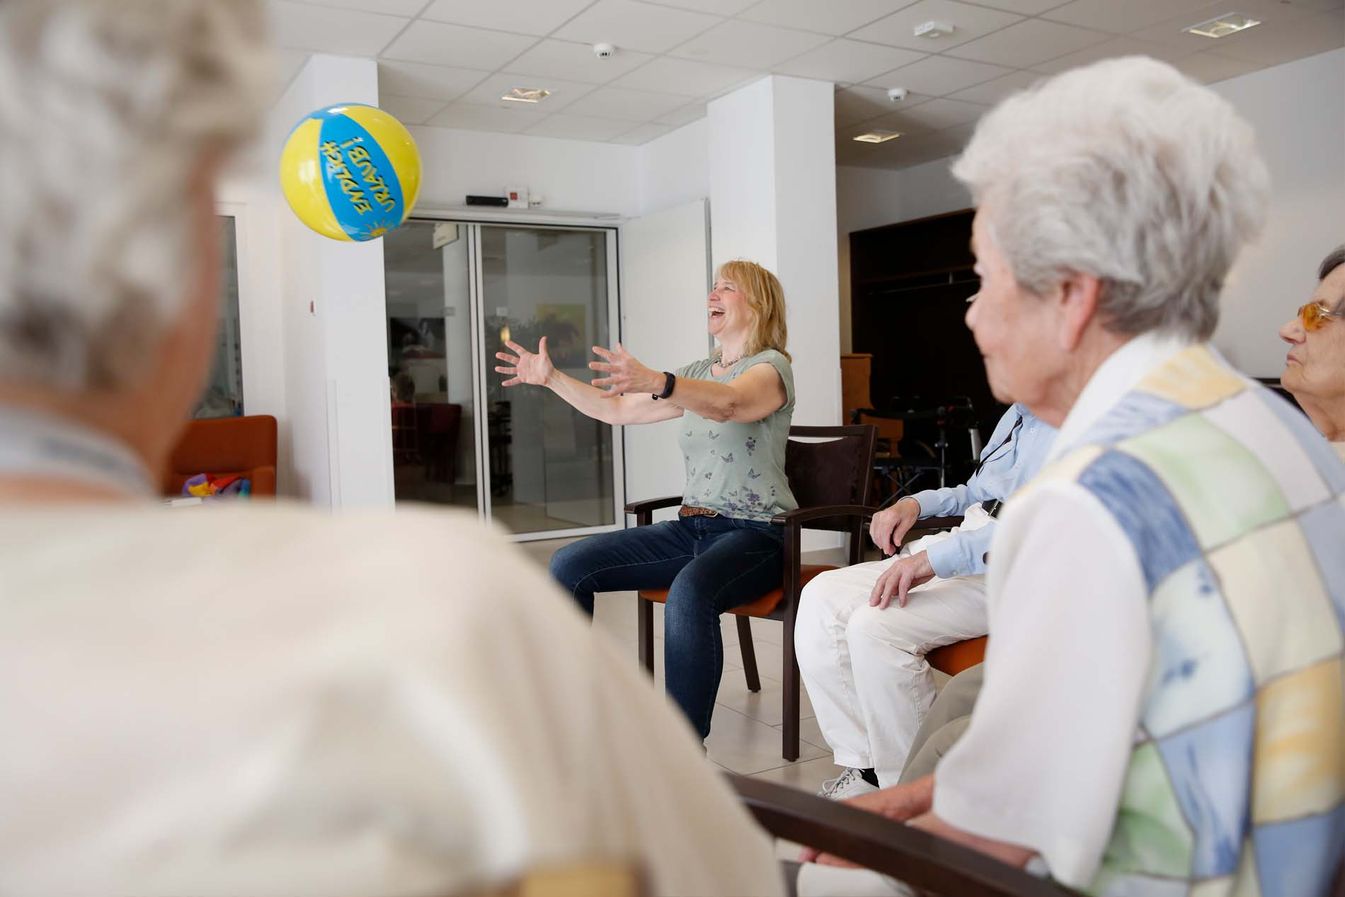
(620, 102)
(1111, 49)
(1029, 43)
(934, 115)
(1023, 7)
(576, 62)
(970, 23)
(831, 17)
(642, 134)
(486, 118)
(433, 82)
(1122, 18)
(409, 110)
(718, 7)
(323, 30)
(992, 92)
(563, 93)
(686, 78)
(748, 44)
(941, 75)
(522, 16)
(437, 43)
(1171, 30)
(1209, 66)
(408, 8)
(848, 61)
(683, 116)
(578, 127)
(639, 26)
(1285, 33)
(855, 104)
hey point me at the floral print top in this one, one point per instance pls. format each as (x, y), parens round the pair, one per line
(738, 469)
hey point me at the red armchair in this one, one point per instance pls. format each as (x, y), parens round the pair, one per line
(228, 445)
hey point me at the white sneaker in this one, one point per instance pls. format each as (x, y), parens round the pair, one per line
(846, 785)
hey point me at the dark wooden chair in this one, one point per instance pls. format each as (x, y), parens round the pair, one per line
(926, 862)
(830, 479)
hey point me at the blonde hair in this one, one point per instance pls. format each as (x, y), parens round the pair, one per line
(766, 298)
(108, 109)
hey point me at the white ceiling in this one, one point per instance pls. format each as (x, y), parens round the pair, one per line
(446, 62)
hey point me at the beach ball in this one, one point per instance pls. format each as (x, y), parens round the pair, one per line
(350, 172)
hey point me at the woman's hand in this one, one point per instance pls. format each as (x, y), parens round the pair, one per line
(534, 369)
(624, 373)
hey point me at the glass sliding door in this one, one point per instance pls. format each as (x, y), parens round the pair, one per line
(428, 277)
(456, 292)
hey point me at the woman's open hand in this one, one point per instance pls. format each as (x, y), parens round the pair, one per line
(624, 373)
(532, 368)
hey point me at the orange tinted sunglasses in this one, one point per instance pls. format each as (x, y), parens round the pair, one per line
(1315, 315)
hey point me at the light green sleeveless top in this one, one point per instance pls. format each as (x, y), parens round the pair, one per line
(738, 469)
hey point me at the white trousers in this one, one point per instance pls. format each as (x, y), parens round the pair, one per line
(865, 668)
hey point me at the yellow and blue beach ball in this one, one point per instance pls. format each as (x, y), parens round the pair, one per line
(350, 172)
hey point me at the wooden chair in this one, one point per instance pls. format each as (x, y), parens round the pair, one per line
(830, 481)
(926, 862)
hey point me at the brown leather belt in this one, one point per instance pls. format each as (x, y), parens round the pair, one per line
(693, 511)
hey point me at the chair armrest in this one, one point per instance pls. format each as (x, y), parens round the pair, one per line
(644, 510)
(924, 861)
(932, 525)
(801, 516)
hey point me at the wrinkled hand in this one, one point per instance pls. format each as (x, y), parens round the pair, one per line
(532, 368)
(624, 373)
(890, 525)
(897, 580)
(900, 803)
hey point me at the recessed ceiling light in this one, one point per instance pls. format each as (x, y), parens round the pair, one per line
(526, 94)
(878, 136)
(933, 29)
(1223, 26)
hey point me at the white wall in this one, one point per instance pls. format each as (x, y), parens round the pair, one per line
(570, 175)
(675, 168)
(1299, 117)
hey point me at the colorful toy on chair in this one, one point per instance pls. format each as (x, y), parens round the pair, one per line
(350, 172)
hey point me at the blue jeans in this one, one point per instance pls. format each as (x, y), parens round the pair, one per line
(708, 564)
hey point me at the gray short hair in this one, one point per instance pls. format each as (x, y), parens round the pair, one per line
(1334, 259)
(107, 110)
(1128, 171)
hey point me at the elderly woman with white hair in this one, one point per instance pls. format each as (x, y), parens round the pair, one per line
(1314, 368)
(267, 699)
(1162, 709)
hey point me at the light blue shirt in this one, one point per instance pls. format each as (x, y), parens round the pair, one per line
(1012, 456)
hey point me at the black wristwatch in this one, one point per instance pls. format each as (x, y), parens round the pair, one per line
(668, 385)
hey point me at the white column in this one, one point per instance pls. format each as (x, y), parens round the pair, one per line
(335, 327)
(773, 200)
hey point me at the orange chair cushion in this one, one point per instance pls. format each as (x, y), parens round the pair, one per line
(764, 605)
(953, 659)
(227, 445)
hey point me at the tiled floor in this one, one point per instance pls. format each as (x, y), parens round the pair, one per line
(745, 733)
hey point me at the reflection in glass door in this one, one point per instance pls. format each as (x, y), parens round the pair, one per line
(456, 292)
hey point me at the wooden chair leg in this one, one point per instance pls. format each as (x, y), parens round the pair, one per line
(646, 628)
(790, 729)
(749, 653)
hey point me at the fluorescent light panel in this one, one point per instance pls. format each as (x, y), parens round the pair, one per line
(1222, 26)
(878, 136)
(526, 94)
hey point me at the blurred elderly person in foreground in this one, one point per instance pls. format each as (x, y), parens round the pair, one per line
(1314, 370)
(260, 700)
(1162, 710)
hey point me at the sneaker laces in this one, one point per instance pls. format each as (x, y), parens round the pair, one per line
(842, 781)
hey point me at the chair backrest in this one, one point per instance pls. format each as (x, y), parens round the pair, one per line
(831, 472)
(242, 445)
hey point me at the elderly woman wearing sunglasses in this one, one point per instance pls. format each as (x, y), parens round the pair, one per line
(1314, 370)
